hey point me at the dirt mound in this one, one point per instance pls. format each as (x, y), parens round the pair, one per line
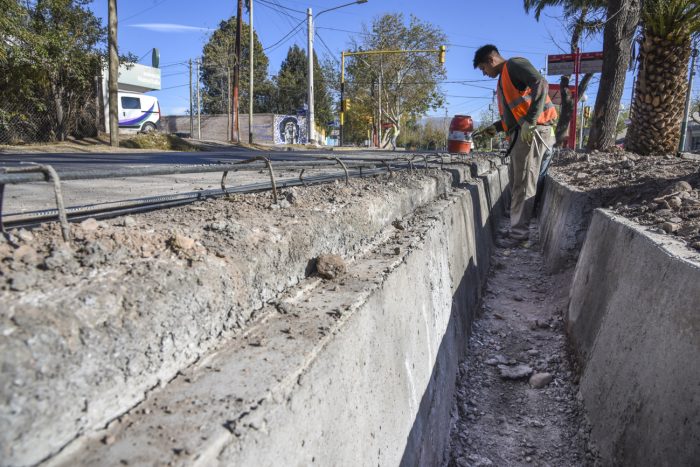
(157, 141)
(662, 192)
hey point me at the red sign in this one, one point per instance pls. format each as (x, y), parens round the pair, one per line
(563, 64)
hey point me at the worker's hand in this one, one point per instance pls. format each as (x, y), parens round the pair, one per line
(527, 132)
(489, 131)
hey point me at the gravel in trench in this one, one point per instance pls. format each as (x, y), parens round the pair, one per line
(517, 399)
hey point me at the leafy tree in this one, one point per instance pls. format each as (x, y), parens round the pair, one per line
(218, 60)
(49, 56)
(292, 87)
(668, 27)
(582, 18)
(409, 82)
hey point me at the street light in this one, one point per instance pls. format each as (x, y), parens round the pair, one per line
(310, 51)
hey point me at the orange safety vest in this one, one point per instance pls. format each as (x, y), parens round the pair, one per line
(519, 101)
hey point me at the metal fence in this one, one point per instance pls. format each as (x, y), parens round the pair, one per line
(79, 116)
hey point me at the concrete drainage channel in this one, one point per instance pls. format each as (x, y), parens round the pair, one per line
(214, 354)
(232, 353)
(634, 326)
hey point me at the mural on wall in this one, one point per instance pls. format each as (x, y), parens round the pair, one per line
(290, 129)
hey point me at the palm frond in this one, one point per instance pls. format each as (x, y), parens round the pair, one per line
(671, 19)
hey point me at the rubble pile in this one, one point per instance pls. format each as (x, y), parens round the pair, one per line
(661, 192)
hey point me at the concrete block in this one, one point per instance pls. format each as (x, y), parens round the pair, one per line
(633, 321)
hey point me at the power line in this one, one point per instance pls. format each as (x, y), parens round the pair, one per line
(145, 10)
(280, 12)
(328, 49)
(286, 35)
(501, 50)
(168, 65)
(173, 87)
(277, 4)
(345, 30)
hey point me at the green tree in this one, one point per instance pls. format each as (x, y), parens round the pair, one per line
(409, 82)
(218, 60)
(582, 18)
(668, 27)
(49, 57)
(292, 89)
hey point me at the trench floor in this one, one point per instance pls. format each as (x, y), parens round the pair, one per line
(500, 419)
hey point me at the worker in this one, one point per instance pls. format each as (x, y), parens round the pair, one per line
(527, 117)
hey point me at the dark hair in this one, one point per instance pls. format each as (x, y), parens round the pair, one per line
(483, 53)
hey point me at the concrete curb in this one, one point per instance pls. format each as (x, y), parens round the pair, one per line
(357, 372)
(634, 324)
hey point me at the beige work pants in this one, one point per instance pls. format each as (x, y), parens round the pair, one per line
(524, 168)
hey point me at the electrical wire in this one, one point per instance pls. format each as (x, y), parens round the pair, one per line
(173, 87)
(328, 49)
(266, 2)
(145, 10)
(286, 36)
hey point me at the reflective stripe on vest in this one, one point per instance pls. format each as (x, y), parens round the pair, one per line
(519, 101)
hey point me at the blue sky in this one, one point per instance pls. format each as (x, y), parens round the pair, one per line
(180, 28)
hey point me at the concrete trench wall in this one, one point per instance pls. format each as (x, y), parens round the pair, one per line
(563, 221)
(375, 375)
(633, 323)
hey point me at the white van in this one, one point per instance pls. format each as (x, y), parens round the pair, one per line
(138, 111)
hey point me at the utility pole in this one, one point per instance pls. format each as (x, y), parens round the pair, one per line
(251, 66)
(446, 125)
(686, 113)
(237, 71)
(199, 106)
(97, 105)
(228, 100)
(191, 106)
(379, 124)
(113, 75)
(310, 52)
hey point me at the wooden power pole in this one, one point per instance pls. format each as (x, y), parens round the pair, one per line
(251, 59)
(237, 71)
(113, 75)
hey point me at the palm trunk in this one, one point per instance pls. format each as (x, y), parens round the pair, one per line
(623, 17)
(659, 98)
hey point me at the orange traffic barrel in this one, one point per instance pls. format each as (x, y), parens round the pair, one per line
(460, 138)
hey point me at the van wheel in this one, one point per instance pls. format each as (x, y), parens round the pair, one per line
(148, 127)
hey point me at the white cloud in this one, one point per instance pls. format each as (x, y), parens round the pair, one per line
(168, 27)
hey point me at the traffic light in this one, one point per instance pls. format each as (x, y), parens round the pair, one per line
(586, 112)
(441, 57)
(345, 105)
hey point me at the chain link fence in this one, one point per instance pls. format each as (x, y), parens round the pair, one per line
(78, 116)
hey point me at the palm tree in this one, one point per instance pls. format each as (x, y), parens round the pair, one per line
(582, 19)
(668, 27)
(621, 23)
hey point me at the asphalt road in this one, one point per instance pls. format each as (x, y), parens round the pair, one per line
(63, 162)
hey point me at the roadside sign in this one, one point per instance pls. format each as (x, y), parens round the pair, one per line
(563, 64)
